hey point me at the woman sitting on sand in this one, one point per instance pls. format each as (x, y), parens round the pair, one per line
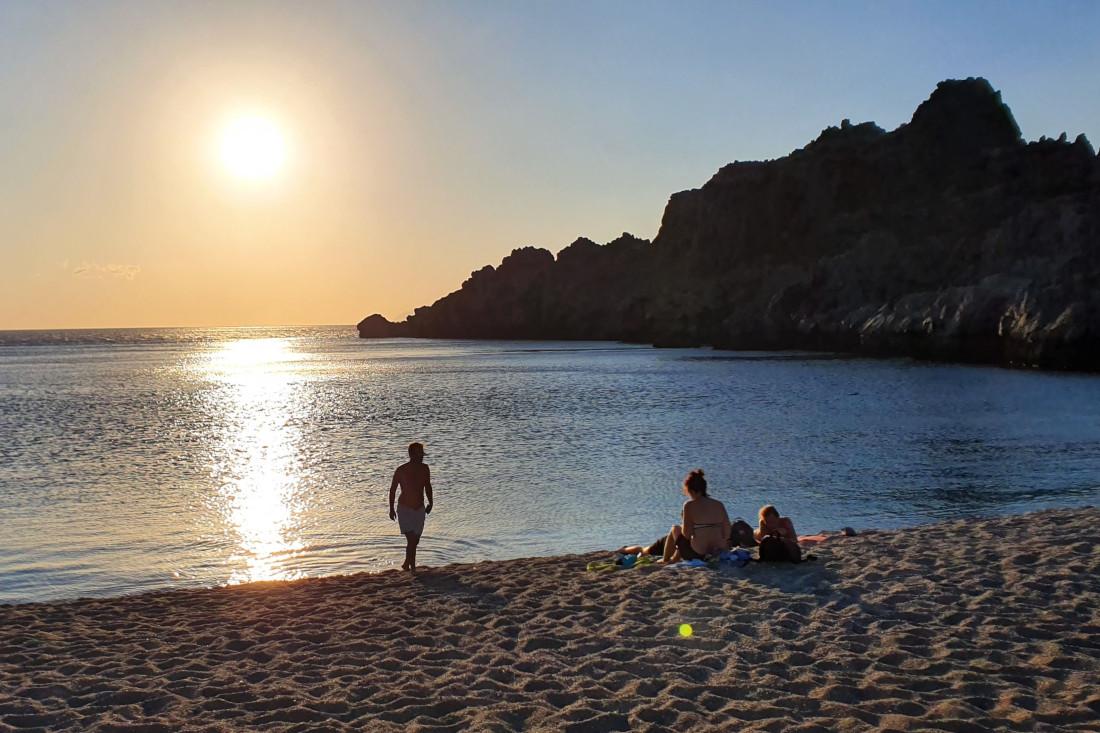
(706, 526)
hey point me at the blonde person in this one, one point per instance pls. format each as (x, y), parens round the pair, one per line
(772, 524)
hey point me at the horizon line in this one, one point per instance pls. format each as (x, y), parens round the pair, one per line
(170, 328)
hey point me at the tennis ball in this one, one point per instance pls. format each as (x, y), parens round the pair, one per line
(686, 630)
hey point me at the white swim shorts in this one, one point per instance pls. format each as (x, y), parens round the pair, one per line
(410, 520)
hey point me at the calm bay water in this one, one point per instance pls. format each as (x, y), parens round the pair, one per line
(132, 460)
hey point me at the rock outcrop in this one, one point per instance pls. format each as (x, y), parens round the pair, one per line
(948, 238)
(378, 326)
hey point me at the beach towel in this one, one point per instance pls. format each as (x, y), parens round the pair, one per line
(737, 558)
(686, 564)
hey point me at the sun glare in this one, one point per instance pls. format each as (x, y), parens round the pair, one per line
(257, 459)
(252, 148)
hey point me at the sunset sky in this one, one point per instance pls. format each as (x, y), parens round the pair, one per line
(212, 163)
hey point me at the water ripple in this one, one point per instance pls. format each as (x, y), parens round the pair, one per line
(204, 457)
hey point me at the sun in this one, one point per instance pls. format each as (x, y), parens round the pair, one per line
(252, 148)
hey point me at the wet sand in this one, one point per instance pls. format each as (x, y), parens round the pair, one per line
(965, 626)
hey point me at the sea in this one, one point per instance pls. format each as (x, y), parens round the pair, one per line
(142, 459)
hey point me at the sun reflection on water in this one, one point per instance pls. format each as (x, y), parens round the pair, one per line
(257, 459)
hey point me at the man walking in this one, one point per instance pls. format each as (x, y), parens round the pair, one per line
(415, 481)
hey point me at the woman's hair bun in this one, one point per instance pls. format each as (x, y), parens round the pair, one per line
(696, 482)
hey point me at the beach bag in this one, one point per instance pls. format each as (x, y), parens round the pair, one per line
(741, 534)
(774, 549)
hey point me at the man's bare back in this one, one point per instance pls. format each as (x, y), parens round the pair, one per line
(414, 479)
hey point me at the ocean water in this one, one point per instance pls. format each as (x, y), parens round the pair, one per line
(141, 459)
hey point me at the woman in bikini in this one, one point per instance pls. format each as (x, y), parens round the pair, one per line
(706, 526)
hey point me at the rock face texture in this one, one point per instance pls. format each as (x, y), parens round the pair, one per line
(949, 238)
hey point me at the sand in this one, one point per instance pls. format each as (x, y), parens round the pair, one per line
(966, 626)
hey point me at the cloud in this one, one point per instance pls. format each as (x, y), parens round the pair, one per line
(96, 271)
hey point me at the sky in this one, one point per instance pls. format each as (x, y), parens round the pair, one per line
(424, 140)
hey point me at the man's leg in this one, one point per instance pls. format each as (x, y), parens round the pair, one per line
(410, 551)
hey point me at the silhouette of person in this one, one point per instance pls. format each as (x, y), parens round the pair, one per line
(415, 480)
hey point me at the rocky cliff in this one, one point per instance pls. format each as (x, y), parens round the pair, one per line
(948, 238)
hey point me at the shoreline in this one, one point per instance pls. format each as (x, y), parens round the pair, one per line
(965, 625)
(582, 556)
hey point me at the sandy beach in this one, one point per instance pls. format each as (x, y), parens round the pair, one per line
(963, 626)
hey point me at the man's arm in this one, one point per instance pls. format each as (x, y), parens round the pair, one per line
(428, 490)
(393, 493)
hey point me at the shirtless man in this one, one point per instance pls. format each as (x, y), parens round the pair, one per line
(415, 480)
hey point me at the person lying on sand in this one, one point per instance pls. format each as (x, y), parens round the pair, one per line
(657, 548)
(737, 539)
(741, 535)
(415, 479)
(706, 526)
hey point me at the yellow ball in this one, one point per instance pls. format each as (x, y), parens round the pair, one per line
(686, 630)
